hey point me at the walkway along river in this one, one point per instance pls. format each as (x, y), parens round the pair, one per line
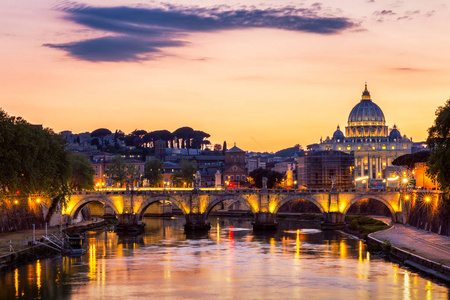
(230, 262)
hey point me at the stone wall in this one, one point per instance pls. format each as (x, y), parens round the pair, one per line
(433, 217)
(19, 218)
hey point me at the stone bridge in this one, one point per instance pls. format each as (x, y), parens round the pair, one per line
(131, 205)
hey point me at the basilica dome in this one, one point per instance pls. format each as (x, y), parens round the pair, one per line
(366, 120)
(366, 111)
(338, 134)
(395, 134)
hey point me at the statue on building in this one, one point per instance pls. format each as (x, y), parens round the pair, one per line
(264, 183)
(333, 183)
(197, 180)
(218, 181)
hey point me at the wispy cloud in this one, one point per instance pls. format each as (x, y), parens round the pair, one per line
(135, 33)
(408, 69)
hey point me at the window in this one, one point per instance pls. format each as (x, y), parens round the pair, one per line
(237, 177)
(232, 177)
(393, 147)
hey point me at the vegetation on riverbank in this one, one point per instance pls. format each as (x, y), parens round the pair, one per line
(361, 226)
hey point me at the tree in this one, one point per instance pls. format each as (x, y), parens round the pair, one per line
(188, 170)
(183, 134)
(185, 175)
(101, 133)
(132, 174)
(439, 143)
(82, 173)
(33, 161)
(153, 171)
(117, 170)
(410, 160)
(273, 178)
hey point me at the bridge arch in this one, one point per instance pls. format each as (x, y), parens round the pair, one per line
(151, 200)
(289, 198)
(94, 198)
(372, 197)
(218, 199)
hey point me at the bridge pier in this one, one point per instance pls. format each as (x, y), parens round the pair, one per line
(129, 223)
(333, 220)
(264, 221)
(196, 222)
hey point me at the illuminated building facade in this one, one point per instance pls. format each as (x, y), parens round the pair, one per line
(373, 145)
(235, 174)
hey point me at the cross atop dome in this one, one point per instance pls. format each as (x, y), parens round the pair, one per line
(365, 94)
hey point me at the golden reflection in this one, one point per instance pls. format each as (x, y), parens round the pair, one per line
(16, 282)
(66, 264)
(92, 261)
(297, 245)
(395, 271)
(406, 286)
(103, 275)
(343, 249)
(429, 288)
(38, 275)
(218, 231)
(360, 252)
(272, 245)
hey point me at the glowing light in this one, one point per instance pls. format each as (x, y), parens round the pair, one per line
(406, 197)
(92, 261)
(16, 201)
(362, 178)
(361, 247)
(405, 180)
(218, 231)
(38, 200)
(393, 178)
(272, 206)
(38, 274)
(427, 199)
(343, 249)
(297, 245)
(16, 282)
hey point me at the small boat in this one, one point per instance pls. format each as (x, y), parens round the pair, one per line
(73, 246)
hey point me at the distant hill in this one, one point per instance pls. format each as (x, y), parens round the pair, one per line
(289, 152)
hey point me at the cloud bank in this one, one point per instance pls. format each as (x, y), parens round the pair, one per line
(135, 34)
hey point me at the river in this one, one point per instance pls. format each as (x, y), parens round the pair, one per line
(299, 261)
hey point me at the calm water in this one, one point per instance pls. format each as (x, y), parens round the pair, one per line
(231, 262)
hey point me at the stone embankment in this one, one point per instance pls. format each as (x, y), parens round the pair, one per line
(421, 250)
(18, 247)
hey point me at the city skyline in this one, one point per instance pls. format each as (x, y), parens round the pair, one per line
(266, 76)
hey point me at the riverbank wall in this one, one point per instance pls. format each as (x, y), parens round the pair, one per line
(428, 214)
(39, 251)
(416, 262)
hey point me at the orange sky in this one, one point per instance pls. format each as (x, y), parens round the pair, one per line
(263, 88)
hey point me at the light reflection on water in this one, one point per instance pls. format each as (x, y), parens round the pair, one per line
(230, 262)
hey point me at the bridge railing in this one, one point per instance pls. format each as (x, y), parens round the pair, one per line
(243, 191)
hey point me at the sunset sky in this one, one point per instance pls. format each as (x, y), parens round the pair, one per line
(264, 74)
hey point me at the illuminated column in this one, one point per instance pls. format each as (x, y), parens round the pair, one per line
(376, 167)
(369, 161)
(362, 166)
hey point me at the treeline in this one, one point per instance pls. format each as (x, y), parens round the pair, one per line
(34, 165)
(183, 138)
